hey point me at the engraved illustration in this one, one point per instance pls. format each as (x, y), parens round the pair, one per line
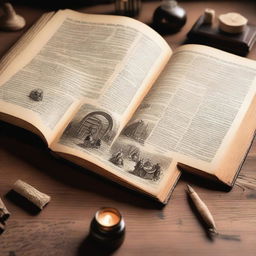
(117, 159)
(147, 170)
(91, 128)
(94, 127)
(138, 130)
(134, 159)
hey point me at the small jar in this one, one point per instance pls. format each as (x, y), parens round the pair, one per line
(108, 228)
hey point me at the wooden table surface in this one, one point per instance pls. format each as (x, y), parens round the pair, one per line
(61, 228)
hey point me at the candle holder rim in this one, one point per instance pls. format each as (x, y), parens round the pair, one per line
(111, 209)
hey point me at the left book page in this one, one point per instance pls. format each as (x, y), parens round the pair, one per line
(71, 59)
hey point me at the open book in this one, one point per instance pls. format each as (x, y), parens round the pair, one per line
(83, 83)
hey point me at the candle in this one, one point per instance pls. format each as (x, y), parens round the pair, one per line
(107, 217)
(108, 228)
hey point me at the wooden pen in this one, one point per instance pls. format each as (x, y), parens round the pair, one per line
(202, 210)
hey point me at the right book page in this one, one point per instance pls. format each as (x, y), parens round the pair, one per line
(200, 111)
(198, 115)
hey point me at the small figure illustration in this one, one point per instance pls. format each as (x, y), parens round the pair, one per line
(157, 171)
(146, 170)
(98, 143)
(89, 141)
(135, 157)
(138, 131)
(117, 159)
(36, 95)
(138, 167)
(133, 153)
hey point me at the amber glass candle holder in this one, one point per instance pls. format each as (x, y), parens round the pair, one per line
(108, 228)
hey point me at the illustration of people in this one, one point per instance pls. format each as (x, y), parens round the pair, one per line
(147, 166)
(138, 167)
(134, 129)
(98, 143)
(134, 157)
(117, 159)
(90, 141)
(157, 171)
(146, 170)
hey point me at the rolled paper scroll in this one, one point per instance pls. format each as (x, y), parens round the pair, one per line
(32, 194)
(232, 22)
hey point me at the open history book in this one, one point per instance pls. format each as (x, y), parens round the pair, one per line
(108, 93)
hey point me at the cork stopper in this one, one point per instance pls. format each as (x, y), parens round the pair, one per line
(10, 21)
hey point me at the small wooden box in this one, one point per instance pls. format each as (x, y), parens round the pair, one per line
(209, 34)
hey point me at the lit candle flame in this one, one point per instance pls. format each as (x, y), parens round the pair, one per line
(107, 220)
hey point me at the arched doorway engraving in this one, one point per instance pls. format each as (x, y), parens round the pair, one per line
(97, 123)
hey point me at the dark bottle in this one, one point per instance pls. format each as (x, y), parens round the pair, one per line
(169, 17)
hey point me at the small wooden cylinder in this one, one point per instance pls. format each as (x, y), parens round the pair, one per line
(209, 15)
(33, 195)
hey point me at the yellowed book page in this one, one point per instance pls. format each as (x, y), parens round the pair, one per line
(196, 107)
(84, 58)
(91, 138)
(19, 79)
(232, 158)
(22, 43)
(191, 116)
(94, 127)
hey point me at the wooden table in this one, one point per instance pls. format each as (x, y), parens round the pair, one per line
(61, 228)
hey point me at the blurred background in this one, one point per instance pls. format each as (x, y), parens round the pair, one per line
(56, 4)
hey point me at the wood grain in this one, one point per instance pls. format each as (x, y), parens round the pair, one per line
(61, 228)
